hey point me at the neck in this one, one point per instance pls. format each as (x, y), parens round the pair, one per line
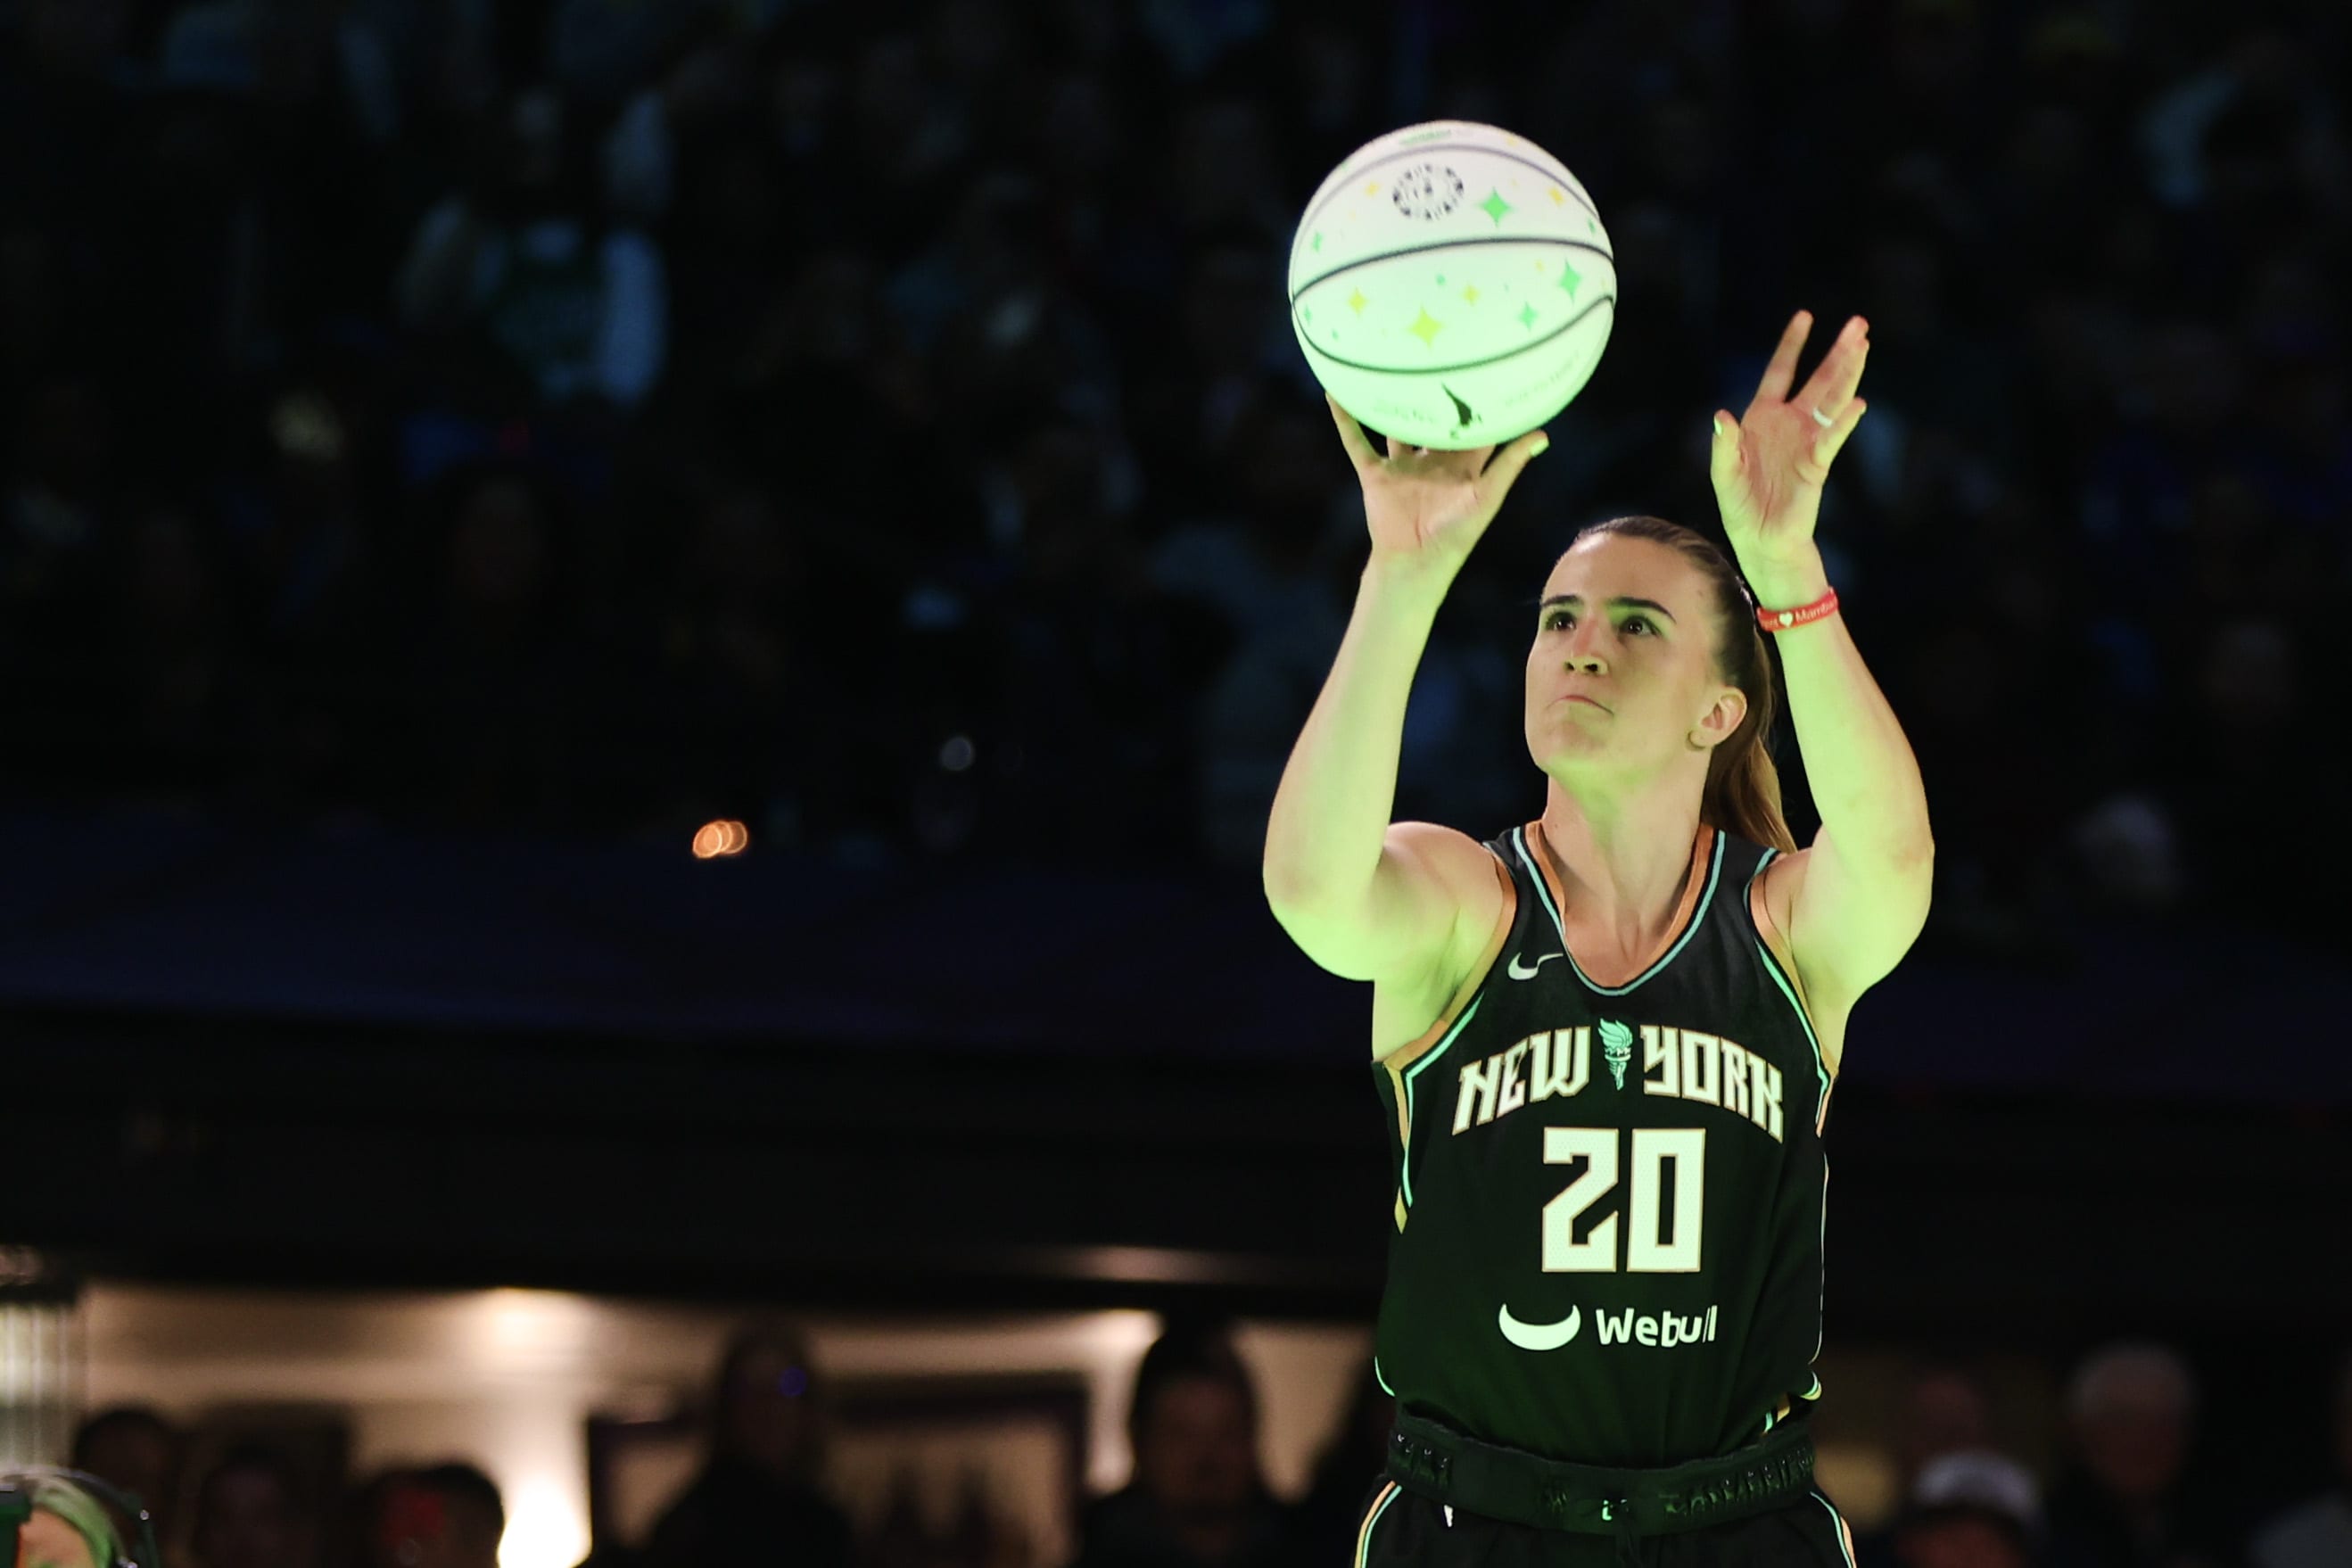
(1623, 860)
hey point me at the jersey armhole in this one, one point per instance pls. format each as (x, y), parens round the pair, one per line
(1768, 931)
(1404, 1055)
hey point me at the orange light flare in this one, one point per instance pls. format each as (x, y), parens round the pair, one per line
(718, 840)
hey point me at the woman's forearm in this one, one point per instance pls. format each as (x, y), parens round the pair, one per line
(1858, 763)
(1331, 811)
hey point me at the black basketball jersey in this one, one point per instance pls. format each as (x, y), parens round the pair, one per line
(1609, 1205)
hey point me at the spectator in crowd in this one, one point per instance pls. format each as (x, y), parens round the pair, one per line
(139, 1449)
(1197, 1499)
(2127, 1500)
(446, 1515)
(525, 263)
(2316, 1533)
(253, 1509)
(1946, 1409)
(1972, 1509)
(757, 1496)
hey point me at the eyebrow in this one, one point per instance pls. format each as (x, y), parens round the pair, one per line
(1620, 603)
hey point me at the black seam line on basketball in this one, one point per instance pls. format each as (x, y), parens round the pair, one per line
(1602, 252)
(1567, 326)
(1581, 200)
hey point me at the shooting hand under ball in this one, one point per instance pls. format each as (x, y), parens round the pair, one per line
(1427, 507)
(1769, 465)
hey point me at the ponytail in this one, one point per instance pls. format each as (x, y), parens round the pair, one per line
(1743, 786)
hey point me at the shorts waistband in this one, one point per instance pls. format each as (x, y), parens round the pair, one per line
(1446, 1467)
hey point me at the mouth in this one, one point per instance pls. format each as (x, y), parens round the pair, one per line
(1577, 696)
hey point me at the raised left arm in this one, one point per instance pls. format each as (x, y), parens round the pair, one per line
(1857, 898)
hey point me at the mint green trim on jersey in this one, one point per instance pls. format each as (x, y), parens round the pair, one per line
(1837, 1522)
(1779, 977)
(1364, 1544)
(1821, 1071)
(1821, 1065)
(1698, 915)
(1414, 1071)
(1381, 1380)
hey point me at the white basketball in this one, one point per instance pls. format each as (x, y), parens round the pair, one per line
(1451, 285)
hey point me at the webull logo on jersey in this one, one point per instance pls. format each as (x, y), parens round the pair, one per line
(1676, 1064)
(1662, 1330)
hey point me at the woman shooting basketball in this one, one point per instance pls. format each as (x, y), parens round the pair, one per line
(1606, 1040)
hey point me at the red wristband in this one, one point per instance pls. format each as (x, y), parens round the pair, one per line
(1781, 620)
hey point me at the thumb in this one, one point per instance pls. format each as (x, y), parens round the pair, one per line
(1723, 458)
(1505, 469)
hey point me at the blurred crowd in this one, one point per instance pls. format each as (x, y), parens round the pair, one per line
(877, 421)
(2132, 1489)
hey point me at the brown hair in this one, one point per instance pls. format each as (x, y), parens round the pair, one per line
(1743, 787)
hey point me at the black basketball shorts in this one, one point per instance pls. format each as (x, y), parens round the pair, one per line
(1404, 1530)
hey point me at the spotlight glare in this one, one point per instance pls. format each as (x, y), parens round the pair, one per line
(716, 840)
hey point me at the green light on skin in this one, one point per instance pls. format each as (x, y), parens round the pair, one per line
(45, 1541)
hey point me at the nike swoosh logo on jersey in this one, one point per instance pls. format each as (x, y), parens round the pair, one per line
(1530, 972)
(1540, 1336)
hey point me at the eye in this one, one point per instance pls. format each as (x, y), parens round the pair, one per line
(1557, 620)
(1649, 628)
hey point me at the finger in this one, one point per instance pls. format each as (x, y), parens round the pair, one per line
(1782, 372)
(1504, 471)
(1833, 440)
(1852, 378)
(1723, 452)
(1351, 435)
(1839, 372)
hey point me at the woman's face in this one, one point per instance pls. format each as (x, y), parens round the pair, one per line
(45, 1541)
(1621, 671)
(769, 1420)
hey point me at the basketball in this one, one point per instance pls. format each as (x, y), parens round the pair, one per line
(1451, 285)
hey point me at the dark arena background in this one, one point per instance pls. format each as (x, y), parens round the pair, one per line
(644, 646)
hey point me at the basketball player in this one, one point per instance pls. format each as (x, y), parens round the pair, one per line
(1605, 1040)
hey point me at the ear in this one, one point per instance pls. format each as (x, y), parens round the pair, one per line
(1721, 721)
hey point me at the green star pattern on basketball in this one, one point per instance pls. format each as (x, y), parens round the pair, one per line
(1495, 207)
(1427, 328)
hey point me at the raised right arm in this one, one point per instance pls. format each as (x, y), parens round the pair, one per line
(1363, 896)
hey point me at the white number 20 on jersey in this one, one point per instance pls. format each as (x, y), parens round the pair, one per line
(1656, 1241)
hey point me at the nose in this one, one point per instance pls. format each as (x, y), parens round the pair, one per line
(1584, 649)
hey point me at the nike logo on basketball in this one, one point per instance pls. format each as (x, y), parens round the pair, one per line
(1464, 418)
(1530, 972)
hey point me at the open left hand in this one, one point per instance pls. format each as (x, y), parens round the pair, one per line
(1769, 465)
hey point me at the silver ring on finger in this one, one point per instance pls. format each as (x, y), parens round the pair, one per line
(1822, 419)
